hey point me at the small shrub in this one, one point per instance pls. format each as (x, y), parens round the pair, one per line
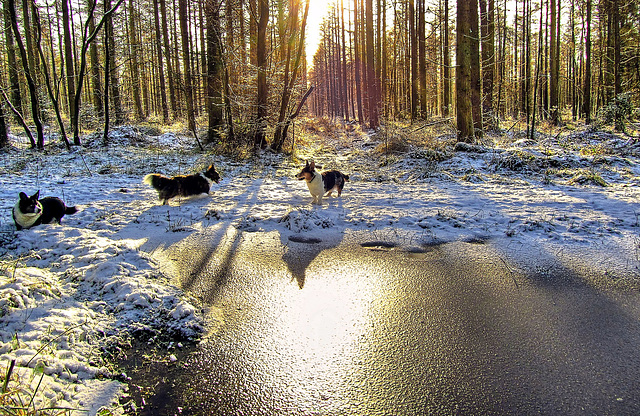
(588, 176)
(617, 111)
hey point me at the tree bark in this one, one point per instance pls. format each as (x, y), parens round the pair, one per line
(414, 60)
(4, 133)
(446, 61)
(422, 58)
(45, 69)
(476, 81)
(261, 58)
(167, 56)
(371, 76)
(186, 52)
(114, 80)
(161, 53)
(12, 63)
(33, 92)
(586, 105)
(464, 112)
(214, 70)
(68, 58)
(96, 83)
(134, 63)
(487, 17)
(357, 61)
(344, 64)
(554, 66)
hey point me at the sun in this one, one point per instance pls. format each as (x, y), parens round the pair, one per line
(318, 10)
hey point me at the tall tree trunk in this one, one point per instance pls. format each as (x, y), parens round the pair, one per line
(384, 83)
(4, 132)
(537, 78)
(33, 93)
(107, 75)
(446, 63)
(413, 41)
(476, 81)
(45, 70)
(554, 65)
(28, 37)
(114, 80)
(464, 40)
(96, 83)
(422, 58)
(214, 70)
(186, 53)
(161, 54)
(261, 57)
(617, 79)
(167, 55)
(487, 17)
(526, 70)
(230, 38)
(371, 76)
(12, 63)
(344, 63)
(253, 32)
(243, 44)
(68, 58)
(573, 65)
(134, 63)
(358, 61)
(586, 91)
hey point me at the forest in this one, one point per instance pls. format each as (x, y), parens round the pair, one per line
(235, 71)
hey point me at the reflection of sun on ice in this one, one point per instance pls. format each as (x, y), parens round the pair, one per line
(325, 321)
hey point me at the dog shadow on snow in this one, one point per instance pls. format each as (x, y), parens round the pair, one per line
(307, 231)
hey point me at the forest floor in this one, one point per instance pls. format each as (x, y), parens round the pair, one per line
(75, 296)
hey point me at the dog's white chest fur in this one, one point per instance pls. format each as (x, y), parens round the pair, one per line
(316, 188)
(26, 220)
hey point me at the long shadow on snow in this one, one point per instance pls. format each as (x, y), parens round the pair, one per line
(301, 249)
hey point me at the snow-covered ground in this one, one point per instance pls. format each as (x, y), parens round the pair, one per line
(71, 295)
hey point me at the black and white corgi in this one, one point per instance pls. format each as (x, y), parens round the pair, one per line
(30, 211)
(322, 184)
(182, 185)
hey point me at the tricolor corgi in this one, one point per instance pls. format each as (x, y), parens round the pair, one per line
(182, 185)
(30, 211)
(322, 184)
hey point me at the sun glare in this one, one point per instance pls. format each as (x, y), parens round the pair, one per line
(318, 10)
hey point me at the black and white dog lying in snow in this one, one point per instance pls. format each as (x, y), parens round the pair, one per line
(30, 211)
(182, 185)
(322, 183)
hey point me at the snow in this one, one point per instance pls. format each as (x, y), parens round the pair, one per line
(74, 294)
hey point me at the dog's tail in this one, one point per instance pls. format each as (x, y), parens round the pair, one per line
(70, 210)
(156, 180)
(151, 178)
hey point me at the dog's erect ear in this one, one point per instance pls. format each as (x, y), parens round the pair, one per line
(312, 165)
(307, 165)
(23, 196)
(36, 196)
